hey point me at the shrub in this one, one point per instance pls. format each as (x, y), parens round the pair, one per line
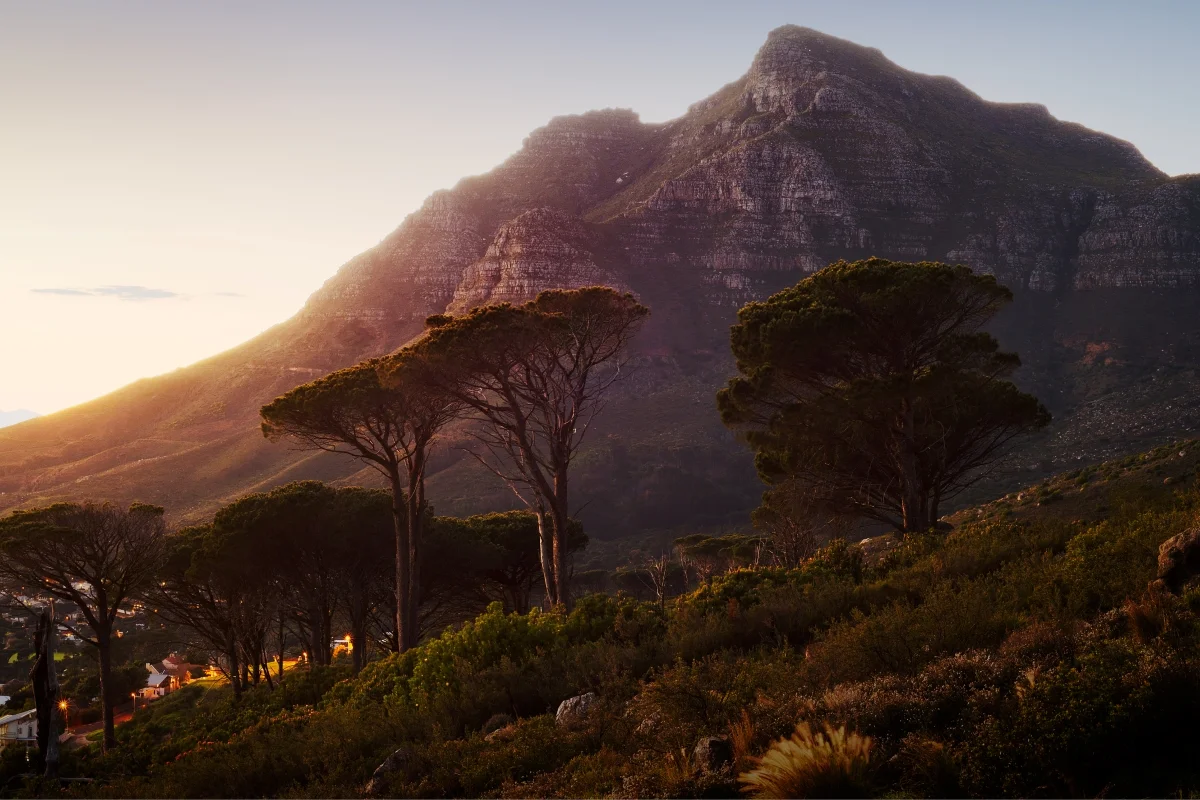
(1118, 718)
(832, 763)
(904, 637)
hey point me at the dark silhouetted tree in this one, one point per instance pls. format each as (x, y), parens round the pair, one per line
(97, 556)
(508, 559)
(874, 384)
(534, 377)
(392, 428)
(210, 585)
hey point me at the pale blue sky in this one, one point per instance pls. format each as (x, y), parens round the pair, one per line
(177, 177)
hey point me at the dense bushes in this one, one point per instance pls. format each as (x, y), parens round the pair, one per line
(1012, 656)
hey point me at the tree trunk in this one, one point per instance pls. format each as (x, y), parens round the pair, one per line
(518, 594)
(914, 513)
(104, 653)
(400, 515)
(560, 522)
(545, 553)
(281, 643)
(416, 512)
(358, 635)
(327, 634)
(316, 650)
(231, 652)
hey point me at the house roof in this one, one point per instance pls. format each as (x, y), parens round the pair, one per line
(18, 717)
(157, 679)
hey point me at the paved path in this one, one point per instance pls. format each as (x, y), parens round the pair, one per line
(78, 735)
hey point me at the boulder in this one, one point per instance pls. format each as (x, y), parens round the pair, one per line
(574, 709)
(713, 753)
(1179, 559)
(397, 762)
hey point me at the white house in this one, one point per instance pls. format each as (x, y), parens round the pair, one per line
(18, 728)
(166, 676)
(157, 684)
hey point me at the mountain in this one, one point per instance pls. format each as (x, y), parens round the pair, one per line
(13, 417)
(823, 150)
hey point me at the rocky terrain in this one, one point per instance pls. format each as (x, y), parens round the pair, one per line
(823, 150)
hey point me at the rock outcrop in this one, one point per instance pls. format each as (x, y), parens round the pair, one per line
(713, 753)
(538, 250)
(396, 765)
(1179, 559)
(574, 710)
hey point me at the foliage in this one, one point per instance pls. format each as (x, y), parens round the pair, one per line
(1011, 656)
(506, 547)
(534, 377)
(874, 385)
(94, 556)
(390, 426)
(829, 763)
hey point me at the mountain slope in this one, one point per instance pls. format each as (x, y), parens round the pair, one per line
(823, 150)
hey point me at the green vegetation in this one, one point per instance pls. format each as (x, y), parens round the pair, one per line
(875, 388)
(1018, 654)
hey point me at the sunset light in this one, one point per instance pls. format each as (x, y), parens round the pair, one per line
(765, 399)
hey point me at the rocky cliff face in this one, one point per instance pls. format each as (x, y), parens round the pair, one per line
(823, 150)
(539, 249)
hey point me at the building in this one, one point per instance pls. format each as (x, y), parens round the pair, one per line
(19, 728)
(166, 676)
(157, 684)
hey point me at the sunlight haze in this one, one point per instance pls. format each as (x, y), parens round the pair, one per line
(177, 179)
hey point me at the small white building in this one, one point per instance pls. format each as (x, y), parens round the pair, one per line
(165, 677)
(157, 684)
(19, 728)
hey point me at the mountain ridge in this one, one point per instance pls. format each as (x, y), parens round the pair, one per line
(823, 150)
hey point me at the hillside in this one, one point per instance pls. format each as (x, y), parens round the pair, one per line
(1024, 653)
(823, 150)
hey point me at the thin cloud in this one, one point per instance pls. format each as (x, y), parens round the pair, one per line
(68, 292)
(121, 292)
(134, 292)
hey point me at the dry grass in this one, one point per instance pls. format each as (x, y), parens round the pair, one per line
(828, 763)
